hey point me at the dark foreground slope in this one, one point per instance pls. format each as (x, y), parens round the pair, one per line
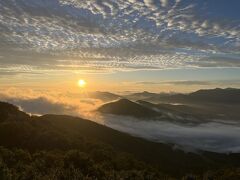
(64, 147)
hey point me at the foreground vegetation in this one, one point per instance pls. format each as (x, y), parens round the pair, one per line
(63, 147)
(101, 163)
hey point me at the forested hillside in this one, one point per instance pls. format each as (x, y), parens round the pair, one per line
(65, 147)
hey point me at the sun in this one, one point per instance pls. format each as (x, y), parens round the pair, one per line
(81, 83)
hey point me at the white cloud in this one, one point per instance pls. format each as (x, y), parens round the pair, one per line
(125, 34)
(164, 3)
(222, 137)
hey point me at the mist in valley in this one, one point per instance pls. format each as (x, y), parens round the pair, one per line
(215, 136)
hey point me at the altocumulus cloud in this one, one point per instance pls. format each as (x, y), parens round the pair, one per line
(40, 35)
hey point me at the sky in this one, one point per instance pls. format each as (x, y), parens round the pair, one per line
(119, 45)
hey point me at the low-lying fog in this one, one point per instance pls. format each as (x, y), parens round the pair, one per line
(215, 136)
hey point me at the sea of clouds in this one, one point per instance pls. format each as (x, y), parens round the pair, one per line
(215, 136)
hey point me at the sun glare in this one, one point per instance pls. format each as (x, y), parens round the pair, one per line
(81, 83)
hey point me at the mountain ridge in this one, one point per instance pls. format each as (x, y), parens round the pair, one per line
(126, 107)
(217, 95)
(11, 112)
(62, 132)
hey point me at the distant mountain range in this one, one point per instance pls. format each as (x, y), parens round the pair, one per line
(104, 96)
(194, 114)
(199, 106)
(144, 110)
(141, 95)
(51, 132)
(218, 95)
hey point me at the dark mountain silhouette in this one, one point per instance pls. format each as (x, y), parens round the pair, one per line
(126, 107)
(9, 112)
(197, 111)
(104, 96)
(175, 109)
(218, 95)
(93, 144)
(200, 105)
(141, 95)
